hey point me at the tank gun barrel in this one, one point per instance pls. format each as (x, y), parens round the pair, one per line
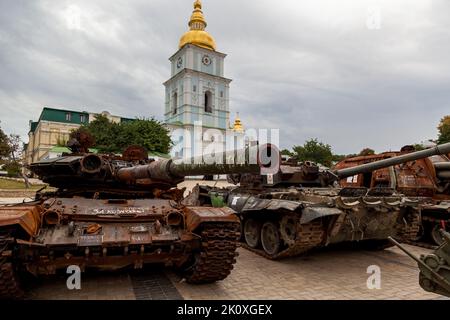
(250, 160)
(169, 171)
(369, 167)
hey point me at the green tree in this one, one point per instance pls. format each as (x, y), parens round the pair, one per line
(148, 133)
(418, 147)
(316, 151)
(5, 149)
(13, 165)
(12, 168)
(15, 148)
(444, 130)
(367, 152)
(116, 137)
(105, 133)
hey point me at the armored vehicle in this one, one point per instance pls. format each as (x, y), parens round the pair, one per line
(117, 211)
(300, 206)
(427, 177)
(434, 268)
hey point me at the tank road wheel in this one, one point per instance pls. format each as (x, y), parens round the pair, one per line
(270, 238)
(218, 253)
(435, 235)
(252, 233)
(9, 282)
(288, 230)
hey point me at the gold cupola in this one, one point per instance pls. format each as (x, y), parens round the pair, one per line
(238, 126)
(197, 34)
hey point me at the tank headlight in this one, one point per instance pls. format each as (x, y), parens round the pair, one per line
(51, 218)
(175, 219)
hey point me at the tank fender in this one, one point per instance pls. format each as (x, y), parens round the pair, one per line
(312, 213)
(195, 216)
(26, 217)
(237, 202)
(255, 204)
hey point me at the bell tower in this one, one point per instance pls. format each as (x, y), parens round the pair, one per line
(197, 91)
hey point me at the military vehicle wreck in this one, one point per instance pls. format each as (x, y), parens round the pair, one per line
(426, 177)
(301, 207)
(113, 212)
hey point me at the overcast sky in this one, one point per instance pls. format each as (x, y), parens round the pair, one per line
(313, 68)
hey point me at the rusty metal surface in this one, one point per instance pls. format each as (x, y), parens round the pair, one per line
(197, 215)
(116, 233)
(426, 177)
(27, 217)
(111, 209)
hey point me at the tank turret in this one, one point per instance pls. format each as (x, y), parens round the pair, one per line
(309, 174)
(97, 173)
(413, 156)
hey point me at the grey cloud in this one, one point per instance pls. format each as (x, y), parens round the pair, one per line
(310, 68)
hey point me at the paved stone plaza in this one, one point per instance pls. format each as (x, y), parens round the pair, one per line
(332, 273)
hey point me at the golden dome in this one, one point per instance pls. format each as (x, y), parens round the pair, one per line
(197, 34)
(238, 126)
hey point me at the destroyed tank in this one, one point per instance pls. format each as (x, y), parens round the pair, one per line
(426, 177)
(112, 212)
(434, 268)
(300, 206)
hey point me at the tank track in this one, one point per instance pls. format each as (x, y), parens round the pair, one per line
(410, 231)
(218, 253)
(309, 236)
(9, 284)
(409, 235)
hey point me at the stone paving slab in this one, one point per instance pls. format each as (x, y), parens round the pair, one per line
(153, 284)
(329, 274)
(94, 286)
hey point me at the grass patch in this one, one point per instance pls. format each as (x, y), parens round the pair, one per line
(13, 184)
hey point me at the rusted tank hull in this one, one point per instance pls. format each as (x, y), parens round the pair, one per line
(426, 177)
(56, 233)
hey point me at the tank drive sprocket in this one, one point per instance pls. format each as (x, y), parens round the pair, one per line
(288, 229)
(411, 227)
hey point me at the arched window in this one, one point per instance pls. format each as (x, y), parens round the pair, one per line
(175, 103)
(208, 101)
